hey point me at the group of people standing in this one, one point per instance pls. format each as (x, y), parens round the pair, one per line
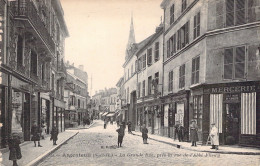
(121, 133)
(14, 141)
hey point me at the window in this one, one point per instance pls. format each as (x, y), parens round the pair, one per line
(128, 94)
(143, 88)
(139, 90)
(234, 63)
(156, 52)
(195, 70)
(197, 110)
(144, 61)
(34, 63)
(139, 63)
(196, 30)
(168, 48)
(235, 12)
(131, 70)
(156, 82)
(20, 49)
(182, 76)
(183, 5)
(183, 36)
(172, 14)
(149, 57)
(43, 71)
(149, 85)
(170, 81)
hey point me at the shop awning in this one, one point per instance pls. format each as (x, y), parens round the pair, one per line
(110, 114)
(105, 114)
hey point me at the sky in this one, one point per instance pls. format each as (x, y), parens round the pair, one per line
(99, 31)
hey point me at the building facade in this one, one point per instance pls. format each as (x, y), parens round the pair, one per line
(76, 95)
(211, 72)
(32, 63)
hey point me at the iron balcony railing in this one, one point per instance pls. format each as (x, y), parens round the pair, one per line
(26, 9)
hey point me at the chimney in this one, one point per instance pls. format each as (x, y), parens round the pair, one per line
(81, 67)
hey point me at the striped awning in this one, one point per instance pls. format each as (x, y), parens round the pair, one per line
(110, 114)
(216, 107)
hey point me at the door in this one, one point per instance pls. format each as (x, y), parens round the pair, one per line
(232, 123)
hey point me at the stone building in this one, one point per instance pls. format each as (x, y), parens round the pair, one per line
(32, 70)
(76, 95)
(211, 68)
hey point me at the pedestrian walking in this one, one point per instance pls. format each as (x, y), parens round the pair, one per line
(121, 133)
(54, 134)
(193, 133)
(144, 134)
(180, 131)
(15, 150)
(36, 134)
(214, 136)
(129, 125)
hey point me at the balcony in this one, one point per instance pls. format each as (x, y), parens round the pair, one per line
(61, 70)
(34, 23)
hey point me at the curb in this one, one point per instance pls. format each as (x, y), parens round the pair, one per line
(46, 154)
(82, 127)
(187, 148)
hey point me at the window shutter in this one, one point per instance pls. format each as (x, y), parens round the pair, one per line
(198, 24)
(195, 27)
(240, 62)
(168, 48)
(219, 14)
(187, 29)
(240, 12)
(197, 69)
(174, 43)
(228, 63)
(230, 12)
(193, 71)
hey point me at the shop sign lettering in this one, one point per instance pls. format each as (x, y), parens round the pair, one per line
(233, 89)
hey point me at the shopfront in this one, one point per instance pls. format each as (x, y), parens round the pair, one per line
(234, 107)
(175, 111)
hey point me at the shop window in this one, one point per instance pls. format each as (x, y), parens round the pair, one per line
(34, 63)
(196, 29)
(234, 63)
(156, 52)
(195, 70)
(182, 76)
(170, 81)
(197, 110)
(172, 14)
(17, 111)
(149, 85)
(20, 51)
(149, 57)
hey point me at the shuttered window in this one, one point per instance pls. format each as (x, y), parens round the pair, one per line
(235, 12)
(172, 14)
(170, 81)
(156, 52)
(182, 76)
(195, 70)
(183, 36)
(168, 48)
(144, 61)
(171, 46)
(149, 57)
(149, 85)
(196, 29)
(234, 63)
(143, 88)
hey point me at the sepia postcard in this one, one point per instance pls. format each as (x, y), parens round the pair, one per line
(130, 82)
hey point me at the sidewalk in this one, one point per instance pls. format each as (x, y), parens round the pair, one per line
(32, 155)
(203, 148)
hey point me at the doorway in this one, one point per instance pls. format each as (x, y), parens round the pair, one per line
(232, 123)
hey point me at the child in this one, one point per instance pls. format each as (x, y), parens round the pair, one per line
(54, 134)
(121, 133)
(15, 150)
(144, 134)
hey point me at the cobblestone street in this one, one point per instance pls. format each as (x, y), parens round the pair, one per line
(98, 146)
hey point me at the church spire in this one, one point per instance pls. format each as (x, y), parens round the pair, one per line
(131, 38)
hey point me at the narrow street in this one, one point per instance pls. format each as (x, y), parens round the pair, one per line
(97, 146)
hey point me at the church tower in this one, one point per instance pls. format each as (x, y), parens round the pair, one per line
(131, 40)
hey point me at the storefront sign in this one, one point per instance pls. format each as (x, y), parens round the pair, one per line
(19, 84)
(232, 89)
(232, 98)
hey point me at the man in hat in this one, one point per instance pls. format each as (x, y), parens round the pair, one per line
(214, 136)
(121, 133)
(193, 133)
